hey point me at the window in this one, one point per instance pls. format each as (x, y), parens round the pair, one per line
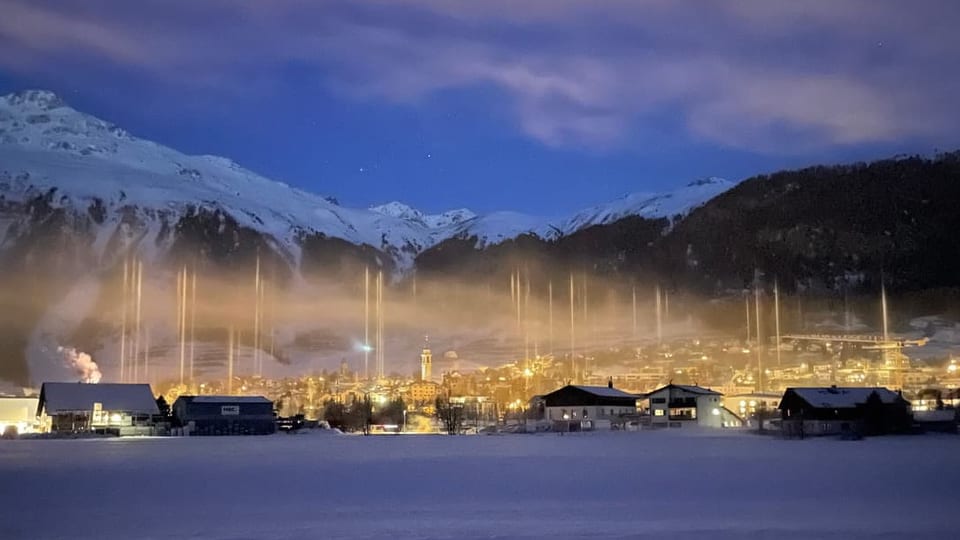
(658, 400)
(658, 412)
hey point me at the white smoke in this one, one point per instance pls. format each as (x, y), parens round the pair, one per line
(82, 363)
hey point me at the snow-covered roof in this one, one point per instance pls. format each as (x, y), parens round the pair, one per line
(62, 397)
(841, 397)
(688, 388)
(227, 399)
(605, 391)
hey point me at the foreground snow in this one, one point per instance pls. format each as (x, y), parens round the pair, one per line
(626, 485)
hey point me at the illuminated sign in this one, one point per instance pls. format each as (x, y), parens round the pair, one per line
(229, 410)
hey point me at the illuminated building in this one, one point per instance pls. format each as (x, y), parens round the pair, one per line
(588, 407)
(677, 404)
(423, 394)
(426, 364)
(18, 413)
(747, 405)
(224, 415)
(121, 409)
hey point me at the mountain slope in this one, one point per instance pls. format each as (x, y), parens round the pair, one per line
(132, 194)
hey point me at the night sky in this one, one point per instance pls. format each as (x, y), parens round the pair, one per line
(542, 106)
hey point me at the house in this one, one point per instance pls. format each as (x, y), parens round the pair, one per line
(573, 408)
(754, 407)
(423, 395)
(841, 410)
(18, 415)
(676, 405)
(113, 408)
(224, 415)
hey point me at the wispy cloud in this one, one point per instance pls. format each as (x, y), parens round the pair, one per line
(767, 76)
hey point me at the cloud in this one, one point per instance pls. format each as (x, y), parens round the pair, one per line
(765, 76)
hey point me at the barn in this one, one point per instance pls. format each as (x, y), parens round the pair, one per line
(110, 408)
(837, 411)
(225, 415)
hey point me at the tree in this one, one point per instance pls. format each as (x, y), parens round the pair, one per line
(164, 408)
(450, 414)
(360, 415)
(335, 414)
(391, 413)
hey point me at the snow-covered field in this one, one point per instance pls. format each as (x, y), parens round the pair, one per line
(664, 485)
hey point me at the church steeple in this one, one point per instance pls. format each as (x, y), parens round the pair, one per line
(426, 361)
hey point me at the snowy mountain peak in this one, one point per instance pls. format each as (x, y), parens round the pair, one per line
(398, 210)
(39, 99)
(709, 181)
(405, 212)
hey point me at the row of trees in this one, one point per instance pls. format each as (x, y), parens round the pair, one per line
(361, 414)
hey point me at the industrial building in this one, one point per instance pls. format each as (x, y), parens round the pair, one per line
(108, 408)
(224, 415)
(572, 408)
(839, 411)
(18, 415)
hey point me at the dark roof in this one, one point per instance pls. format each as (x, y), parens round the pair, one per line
(688, 388)
(833, 397)
(225, 399)
(606, 391)
(577, 396)
(65, 397)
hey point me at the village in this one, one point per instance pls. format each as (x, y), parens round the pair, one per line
(812, 388)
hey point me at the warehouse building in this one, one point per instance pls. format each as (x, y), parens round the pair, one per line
(108, 408)
(224, 415)
(18, 415)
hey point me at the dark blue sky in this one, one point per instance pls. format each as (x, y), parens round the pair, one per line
(543, 106)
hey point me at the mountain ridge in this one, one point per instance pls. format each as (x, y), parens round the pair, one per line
(46, 145)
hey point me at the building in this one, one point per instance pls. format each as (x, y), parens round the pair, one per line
(426, 364)
(751, 404)
(676, 405)
(837, 410)
(423, 395)
(18, 414)
(120, 409)
(588, 407)
(224, 415)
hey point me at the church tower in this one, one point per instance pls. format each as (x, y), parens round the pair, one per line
(426, 361)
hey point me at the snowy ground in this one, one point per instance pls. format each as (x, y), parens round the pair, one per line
(618, 485)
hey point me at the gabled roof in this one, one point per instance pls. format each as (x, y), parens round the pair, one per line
(606, 391)
(572, 395)
(225, 399)
(688, 388)
(64, 397)
(834, 397)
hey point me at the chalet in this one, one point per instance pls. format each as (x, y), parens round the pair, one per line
(588, 407)
(113, 408)
(676, 405)
(840, 410)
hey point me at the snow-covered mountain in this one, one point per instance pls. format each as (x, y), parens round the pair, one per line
(649, 205)
(135, 193)
(435, 221)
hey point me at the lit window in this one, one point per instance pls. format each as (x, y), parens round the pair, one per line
(658, 412)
